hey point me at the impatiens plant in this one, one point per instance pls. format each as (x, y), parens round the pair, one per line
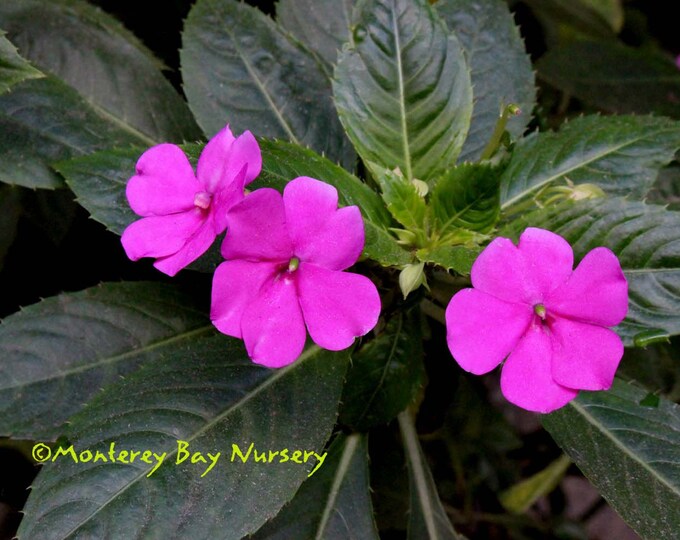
(386, 214)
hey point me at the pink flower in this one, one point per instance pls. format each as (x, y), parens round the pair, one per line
(183, 212)
(550, 321)
(286, 257)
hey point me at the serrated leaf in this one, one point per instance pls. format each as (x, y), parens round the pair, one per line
(239, 67)
(13, 68)
(383, 248)
(10, 211)
(404, 99)
(620, 154)
(322, 25)
(457, 258)
(210, 395)
(106, 64)
(427, 517)
(631, 454)
(645, 238)
(335, 503)
(500, 69)
(466, 197)
(43, 121)
(614, 77)
(60, 352)
(403, 200)
(385, 375)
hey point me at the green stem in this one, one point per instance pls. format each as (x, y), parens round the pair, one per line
(497, 135)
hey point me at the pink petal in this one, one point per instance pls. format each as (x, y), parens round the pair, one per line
(481, 330)
(257, 229)
(597, 291)
(164, 183)
(338, 243)
(585, 357)
(528, 272)
(223, 158)
(159, 236)
(309, 205)
(225, 199)
(195, 246)
(235, 285)
(526, 378)
(337, 306)
(272, 326)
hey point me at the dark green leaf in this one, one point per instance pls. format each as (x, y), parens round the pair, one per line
(383, 248)
(43, 121)
(655, 367)
(427, 517)
(211, 396)
(584, 16)
(403, 200)
(614, 77)
(107, 65)
(13, 68)
(666, 189)
(403, 88)
(322, 25)
(620, 154)
(10, 210)
(59, 353)
(335, 503)
(500, 69)
(284, 161)
(386, 374)
(645, 238)
(466, 197)
(457, 258)
(239, 67)
(631, 453)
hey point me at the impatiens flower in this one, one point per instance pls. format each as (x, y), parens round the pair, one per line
(550, 321)
(183, 212)
(284, 271)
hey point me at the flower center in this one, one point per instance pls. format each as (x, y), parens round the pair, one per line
(293, 264)
(539, 309)
(202, 199)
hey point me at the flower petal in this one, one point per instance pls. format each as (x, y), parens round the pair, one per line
(585, 356)
(481, 330)
(272, 326)
(257, 229)
(528, 272)
(526, 378)
(223, 158)
(160, 236)
(337, 306)
(597, 291)
(164, 183)
(195, 246)
(309, 204)
(235, 285)
(225, 199)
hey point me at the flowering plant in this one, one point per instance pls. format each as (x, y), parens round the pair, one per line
(260, 290)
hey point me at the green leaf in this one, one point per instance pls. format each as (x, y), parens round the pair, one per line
(283, 161)
(403, 200)
(466, 197)
(386, 374)
(239, 67)
(405, 101)
(655, 367)
(666, 189)
(105, 63)
(523, 495)
(335, 503)
(383, 248)
(43, 121)
(584, 16)
(610, 10)
(210, 395)
(427, 517)
(60, 352)
(620, 154)
(631, 454)
(645, 238)
(500, 69)
(322, 25)
(614, 77)
(457, 258)
(10, 211)
(13, 68)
